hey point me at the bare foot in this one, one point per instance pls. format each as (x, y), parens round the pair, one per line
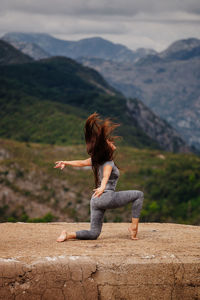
(62, 237)
(133, 230)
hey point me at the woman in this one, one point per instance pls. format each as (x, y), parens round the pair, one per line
(100, 147)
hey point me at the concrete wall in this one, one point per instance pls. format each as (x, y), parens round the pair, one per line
(160, 265)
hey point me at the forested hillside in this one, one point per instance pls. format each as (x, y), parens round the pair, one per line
(35, 98)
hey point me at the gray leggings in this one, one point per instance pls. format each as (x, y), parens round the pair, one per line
(109, 199)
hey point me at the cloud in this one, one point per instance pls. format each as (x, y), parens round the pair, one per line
(59, 24)
(142, 23)
(103, 7)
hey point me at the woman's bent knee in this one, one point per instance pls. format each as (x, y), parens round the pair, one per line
(142, 194)
(94, 235)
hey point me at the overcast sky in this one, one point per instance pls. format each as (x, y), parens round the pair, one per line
(134, 23)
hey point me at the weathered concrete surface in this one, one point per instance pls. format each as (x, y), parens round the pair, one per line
(163, 264)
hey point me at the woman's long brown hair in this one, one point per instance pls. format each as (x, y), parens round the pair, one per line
(97, 132)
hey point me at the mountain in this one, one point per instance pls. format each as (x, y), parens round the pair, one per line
(182, 50)
(168, 83)
(142, 52)
(10, 55)
(37, 97)
(179, 50)
(89, 47)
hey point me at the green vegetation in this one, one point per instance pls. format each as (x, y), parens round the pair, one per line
(42, 122)
(170, 182)
(25, 218)
(174, 192)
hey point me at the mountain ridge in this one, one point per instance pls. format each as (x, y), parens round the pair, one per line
(95, 46)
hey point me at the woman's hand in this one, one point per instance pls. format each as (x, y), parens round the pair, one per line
(98, 191)
(60, 164)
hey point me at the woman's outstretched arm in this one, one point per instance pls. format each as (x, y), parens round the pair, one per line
(74, 163)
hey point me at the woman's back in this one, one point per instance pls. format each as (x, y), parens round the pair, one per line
(112, 181)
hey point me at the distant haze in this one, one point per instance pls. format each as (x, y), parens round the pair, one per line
(145, 23)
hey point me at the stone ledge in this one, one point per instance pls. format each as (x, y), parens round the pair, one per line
(163, 264)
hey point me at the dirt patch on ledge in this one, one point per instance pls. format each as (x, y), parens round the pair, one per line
(157, 241)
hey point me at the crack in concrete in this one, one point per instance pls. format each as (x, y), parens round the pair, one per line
(179, 267)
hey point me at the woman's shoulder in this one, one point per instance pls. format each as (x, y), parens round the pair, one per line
(109, 162)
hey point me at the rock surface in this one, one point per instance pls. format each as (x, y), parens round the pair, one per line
(164, 263)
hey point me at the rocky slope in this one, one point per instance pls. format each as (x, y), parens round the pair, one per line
(156, 127)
